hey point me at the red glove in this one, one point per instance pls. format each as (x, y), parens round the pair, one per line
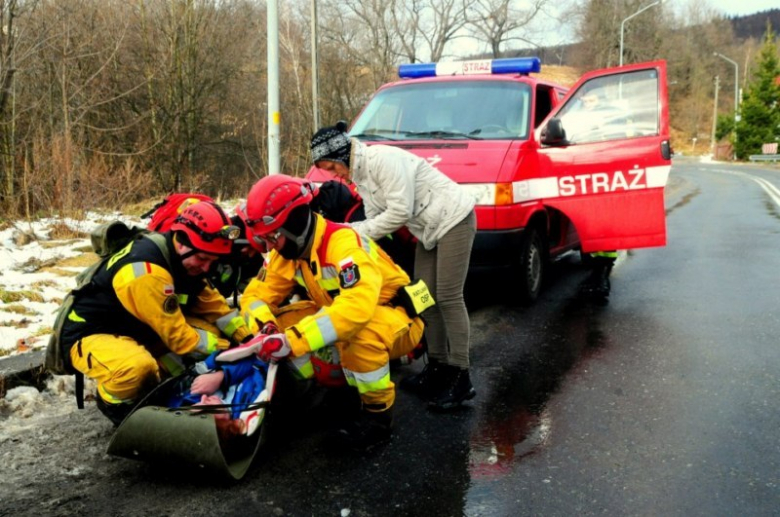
(274, 347)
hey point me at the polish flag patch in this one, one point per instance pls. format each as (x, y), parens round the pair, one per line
(349, 274)
(168, 290)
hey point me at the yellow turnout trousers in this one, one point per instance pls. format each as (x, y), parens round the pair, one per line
(365, 358)
(124, 368)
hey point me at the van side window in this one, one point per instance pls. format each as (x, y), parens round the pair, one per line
(613, 108)
(543, 104)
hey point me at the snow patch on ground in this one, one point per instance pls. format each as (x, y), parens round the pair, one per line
(18, 264)
(21, 406)
(19, 272)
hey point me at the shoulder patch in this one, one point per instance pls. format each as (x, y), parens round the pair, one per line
(171, 304)
(349, 275)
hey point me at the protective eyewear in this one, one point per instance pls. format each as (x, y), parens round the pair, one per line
(227, 232)
(269, 238)
(271, 219)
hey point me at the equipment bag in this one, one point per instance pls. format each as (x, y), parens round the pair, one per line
(106, 239)
(164, 213)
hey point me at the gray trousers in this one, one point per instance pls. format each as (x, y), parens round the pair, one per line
(444, 270)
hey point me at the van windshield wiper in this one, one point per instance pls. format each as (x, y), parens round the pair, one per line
(441, 134)
(376, 134)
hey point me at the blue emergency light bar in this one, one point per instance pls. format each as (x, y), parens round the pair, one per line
(513, 65)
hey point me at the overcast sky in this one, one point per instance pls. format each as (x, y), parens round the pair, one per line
(742, 7)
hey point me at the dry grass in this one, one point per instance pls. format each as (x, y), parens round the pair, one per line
(42, 331)
(563, 75)
(83, 260)
(61, 231)
(58, 271)
(42, 284)
(59, 244)
(18, 324)
(140, 208)
(17, 308)
(18, 296)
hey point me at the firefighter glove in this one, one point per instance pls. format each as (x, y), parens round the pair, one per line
(274, 347)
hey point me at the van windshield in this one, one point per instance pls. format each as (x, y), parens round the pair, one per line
(483, 110)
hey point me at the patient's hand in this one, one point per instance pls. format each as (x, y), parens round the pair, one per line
(207, 383)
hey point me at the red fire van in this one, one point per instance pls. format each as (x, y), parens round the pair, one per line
(552, 169)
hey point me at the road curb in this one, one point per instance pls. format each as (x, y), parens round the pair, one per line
(22, 370)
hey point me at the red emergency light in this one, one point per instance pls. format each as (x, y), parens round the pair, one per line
(513, 65)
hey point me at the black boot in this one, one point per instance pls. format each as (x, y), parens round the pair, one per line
(115, 412)
(368, 430)
(424, 383)
(597, 284)
(602, 282)
(455, 388)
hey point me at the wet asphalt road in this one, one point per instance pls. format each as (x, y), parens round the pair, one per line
(663, 402)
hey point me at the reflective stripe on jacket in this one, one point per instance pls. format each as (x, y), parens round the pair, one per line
(346, 275)
(137, 294)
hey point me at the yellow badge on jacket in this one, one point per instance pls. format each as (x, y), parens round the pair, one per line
(349, 273)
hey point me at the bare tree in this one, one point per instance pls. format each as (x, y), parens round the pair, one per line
(498, 22)
(689, 45)
(426, 27)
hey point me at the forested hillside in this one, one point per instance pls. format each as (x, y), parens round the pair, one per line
(754, 25)
(107, 102)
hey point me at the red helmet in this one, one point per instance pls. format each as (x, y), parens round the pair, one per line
(207, 228)
(272, 199)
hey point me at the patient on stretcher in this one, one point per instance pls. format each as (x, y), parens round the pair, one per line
(228, 390)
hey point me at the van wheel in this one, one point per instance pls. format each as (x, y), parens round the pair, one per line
(530, 273)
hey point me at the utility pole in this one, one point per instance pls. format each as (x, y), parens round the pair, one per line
(714, 118)
(274, 117)
(314, 79)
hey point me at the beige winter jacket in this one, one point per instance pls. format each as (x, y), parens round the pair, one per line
(401, 189)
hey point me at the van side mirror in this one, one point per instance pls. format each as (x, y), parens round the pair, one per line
(553, 133)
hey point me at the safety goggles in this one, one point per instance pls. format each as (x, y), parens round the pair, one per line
(271, 219)
(227, 232)
(269, 238)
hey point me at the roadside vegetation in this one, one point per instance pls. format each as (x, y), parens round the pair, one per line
(110, 103)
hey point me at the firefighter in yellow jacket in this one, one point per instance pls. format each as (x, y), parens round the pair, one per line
(352, 287)
(149, 306)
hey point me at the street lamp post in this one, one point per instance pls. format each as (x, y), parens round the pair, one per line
(623, 23)
(736, 82)
(736, 93)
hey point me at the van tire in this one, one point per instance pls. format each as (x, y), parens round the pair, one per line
(529, 276)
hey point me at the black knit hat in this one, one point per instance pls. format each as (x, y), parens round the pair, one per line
(332, 144)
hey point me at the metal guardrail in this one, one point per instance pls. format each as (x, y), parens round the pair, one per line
(764, 157)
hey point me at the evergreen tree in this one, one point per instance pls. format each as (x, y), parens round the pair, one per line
(760, 108)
